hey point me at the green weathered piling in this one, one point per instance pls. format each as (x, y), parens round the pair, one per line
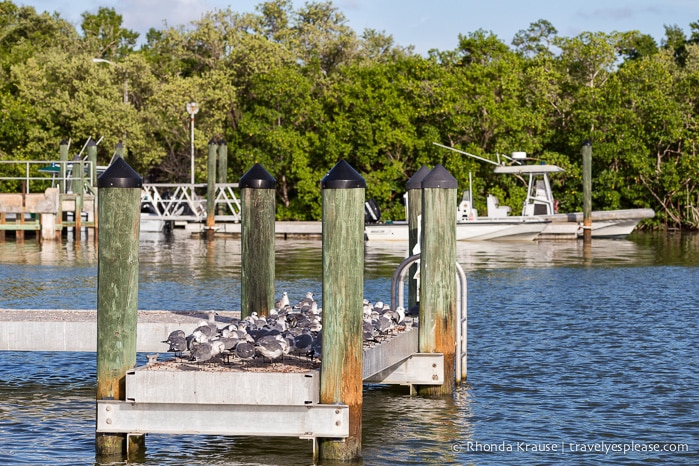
(92, 157)
(587, 191)
(117, 292)
(343, 193)
(437, 323)
(222, 174)
(211, 189)
(63, 157)
(77, 185)
(414, 188)
(257, 189)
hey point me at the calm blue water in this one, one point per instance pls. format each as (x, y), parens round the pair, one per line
(573, 355)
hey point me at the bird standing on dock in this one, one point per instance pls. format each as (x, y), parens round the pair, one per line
(283, 301)
(270, 349)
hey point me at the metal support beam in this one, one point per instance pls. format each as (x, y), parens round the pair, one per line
(320, 420)
(417, 369)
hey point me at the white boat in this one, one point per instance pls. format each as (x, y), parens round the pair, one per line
(498, 225)
(539, 218)
(541, 203)
(152, 223)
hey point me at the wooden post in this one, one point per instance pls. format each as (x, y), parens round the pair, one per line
(257, 188)
(3, 220)
(587, 191)
(78, 191)
(63, 155)
(437, 323)
(211, 190)
(414, 188)
(343, 293)
(92, 157)
(222, 173)
(117, 295)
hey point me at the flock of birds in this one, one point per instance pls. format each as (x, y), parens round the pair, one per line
(289, 329)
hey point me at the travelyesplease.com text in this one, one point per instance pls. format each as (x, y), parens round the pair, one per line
(570, 447)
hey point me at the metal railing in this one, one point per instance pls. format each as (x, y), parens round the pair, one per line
(398, 288)
(52, 173)
(166, 201)
(180, 202)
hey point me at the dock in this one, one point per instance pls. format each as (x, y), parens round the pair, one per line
(312, 389)
(282, 230)
(173, 397)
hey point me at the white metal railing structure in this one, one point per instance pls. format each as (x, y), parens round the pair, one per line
(180, 202)
(398, 288)
(45, 171)
(227, 202)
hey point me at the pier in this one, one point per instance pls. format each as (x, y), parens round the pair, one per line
(320, 401)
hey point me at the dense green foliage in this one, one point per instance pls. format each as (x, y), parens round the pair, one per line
(297, 90)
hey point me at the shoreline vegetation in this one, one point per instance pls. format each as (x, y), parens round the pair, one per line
(297, 90)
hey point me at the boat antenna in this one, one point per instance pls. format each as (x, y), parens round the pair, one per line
(84, 146)
(466, 153)
(510, 158)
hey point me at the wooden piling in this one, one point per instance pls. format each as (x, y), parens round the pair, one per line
(257, 190)
(414, 189)
(222, 173)
(587, 191)
(211, 190)
(78, 182)
(343, 289)
(92, 157)
(437, 322)
(63, 157)
(117, 295)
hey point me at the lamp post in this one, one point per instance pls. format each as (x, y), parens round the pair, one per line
(126, 81)
(192, 109)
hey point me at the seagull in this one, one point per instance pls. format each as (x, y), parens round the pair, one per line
(283, 302)
(398, 315)
(174, 334)
(178, 344)
(245, 350)
(152, 358)
(202, 352)
(270, 349)
(303, 343)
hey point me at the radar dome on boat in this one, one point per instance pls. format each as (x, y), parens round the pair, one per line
(519, 155)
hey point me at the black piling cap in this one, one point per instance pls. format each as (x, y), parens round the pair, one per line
(91, 143)
(587, 142)
(342, 176)
(439, 177)
(64, 142)
(258, 178)
(119, 175)
(415, 181)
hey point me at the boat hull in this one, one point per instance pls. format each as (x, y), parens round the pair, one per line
(478, 230)
(151, 223)
(605, 224)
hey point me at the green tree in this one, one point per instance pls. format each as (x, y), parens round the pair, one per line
(103, 32)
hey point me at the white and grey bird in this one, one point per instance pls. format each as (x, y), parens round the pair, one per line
(283, 301)
(245, 350)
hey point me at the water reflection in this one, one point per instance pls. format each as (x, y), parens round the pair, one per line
(565, 345)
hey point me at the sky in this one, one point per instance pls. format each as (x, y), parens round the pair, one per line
(425, 24)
